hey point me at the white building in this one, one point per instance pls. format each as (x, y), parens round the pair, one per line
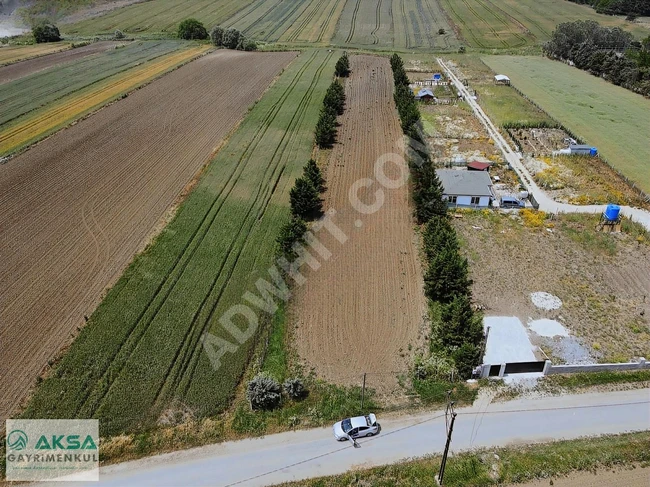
(471, 189)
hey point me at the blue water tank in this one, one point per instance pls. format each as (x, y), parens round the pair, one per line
(612, 212)
(593, 152)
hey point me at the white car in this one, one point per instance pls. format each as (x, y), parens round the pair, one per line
(357, 427)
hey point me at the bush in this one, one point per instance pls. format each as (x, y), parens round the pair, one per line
(216, 35)
(442, 32)
(435, 366)
(231, 38)
(250, 45)
(263, 392)
(46, 33)
(119, 34)
(466, 357)
(305, 200)
(190, 29)
(313, 173)
(294, 388)
(290, 233)
(342, 68)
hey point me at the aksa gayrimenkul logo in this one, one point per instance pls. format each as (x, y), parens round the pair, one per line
(17, 440)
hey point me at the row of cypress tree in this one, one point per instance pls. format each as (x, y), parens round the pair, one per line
(457, 329)
(305, 196)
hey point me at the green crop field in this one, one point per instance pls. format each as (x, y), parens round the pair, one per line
(607, 116)
(148, 328)
(35, 91)
(158, 16)
(402, 24)
(518, 23)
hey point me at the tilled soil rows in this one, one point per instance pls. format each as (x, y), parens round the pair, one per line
(364, 306)
(30, 66)
(75, 208)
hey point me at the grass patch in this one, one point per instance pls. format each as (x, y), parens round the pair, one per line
(276, 360)
(505, 106)
(607, 116)
(577, 381)
(514, 465)
(435, 392)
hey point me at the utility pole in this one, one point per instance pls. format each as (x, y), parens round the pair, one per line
(363, 391)
(450, 429)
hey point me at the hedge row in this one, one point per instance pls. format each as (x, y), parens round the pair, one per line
(333, 106)
(457, 331)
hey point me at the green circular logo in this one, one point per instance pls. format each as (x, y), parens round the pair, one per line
(17, 440)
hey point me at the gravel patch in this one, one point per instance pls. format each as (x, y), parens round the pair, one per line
(548, 328)
(545, 301)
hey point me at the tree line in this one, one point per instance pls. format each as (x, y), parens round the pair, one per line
(264, 391)
(457, 330)
(609, 53)
(631, 8)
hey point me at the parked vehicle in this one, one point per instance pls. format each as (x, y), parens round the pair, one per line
(511, 202)
(357, 427)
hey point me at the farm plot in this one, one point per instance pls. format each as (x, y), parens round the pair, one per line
(267, 20)
(317, 23)
(24, 68)
(31, 119)
(365, 305)
(607, 116)
(141, 353)
(394, 23)
(157, 16)
(12, 54)
(77, 207)
(516, 23)
(600, 278)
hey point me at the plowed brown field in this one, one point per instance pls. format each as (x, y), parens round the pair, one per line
(364, 306)
(75, 208)
(30, 66)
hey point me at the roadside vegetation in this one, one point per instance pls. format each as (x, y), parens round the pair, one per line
(505, 466)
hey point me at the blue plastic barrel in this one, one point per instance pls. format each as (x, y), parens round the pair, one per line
(612, 212)
(593, 152)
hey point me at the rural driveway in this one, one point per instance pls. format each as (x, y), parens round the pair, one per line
(311, 453)
(514, 159)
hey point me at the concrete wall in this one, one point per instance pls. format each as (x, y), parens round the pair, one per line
(574, 369)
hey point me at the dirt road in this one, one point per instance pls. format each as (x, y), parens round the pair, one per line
(21, 69)
(363, 308)
(77, 207)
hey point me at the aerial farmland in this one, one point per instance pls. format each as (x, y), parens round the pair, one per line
(206, 240)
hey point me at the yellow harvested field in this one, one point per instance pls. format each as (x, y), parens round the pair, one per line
(317, 23)
(12, 54)
(72, 107)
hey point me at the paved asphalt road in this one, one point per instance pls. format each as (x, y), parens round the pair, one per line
(311, 453)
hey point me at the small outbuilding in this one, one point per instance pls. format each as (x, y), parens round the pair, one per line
(425, 94)
(501, 79)
(471, 189)
(436, 77)
(478, 166)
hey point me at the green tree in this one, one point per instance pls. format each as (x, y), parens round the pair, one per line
(427, 193)
(190, 29)
(447, 276)
(460, 323)
(342, 68)
(466, 357)
(216, 35)
(438, 233)
(231, 38)
(313, 173)
(326, 128)
(290, 233)
(46, 33)
(335, 97)
(305, 200)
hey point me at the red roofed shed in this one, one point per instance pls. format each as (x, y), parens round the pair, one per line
(478, 166)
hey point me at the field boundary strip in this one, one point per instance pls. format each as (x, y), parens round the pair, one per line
(71, 107)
